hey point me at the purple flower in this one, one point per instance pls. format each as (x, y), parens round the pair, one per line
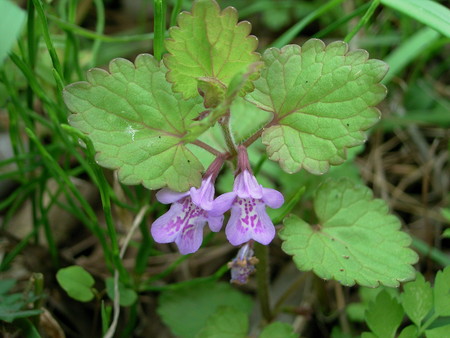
(249, 219)
(243, 265)
(188, 214)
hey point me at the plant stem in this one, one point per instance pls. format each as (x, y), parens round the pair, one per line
(363, 21)
(225, 125)
(427, 323)
(212, 150)
(262, 278)
(297, 28)
(159, 28)
(176, 10)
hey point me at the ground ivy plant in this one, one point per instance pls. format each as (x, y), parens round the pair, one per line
(150, 120)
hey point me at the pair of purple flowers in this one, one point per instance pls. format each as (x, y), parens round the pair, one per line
(191, 210)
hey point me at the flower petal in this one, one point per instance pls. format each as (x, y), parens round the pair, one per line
(246, 186)
(191, 237)
(249, 220)
(237, 232)
(222, 203)
(264, 232)
(215, 222)
(167, 227)
(273, 198)
(203, 197)
(167, 196)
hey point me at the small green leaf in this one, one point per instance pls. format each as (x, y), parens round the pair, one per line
(136, 123)
(127, 296)
(77, 282)
(226, 322)
(322, 98)
(355, 240)
(8, 315)
(446, 214)
(409, 332)
(417, 299)
(278, 330)
(438, 332)
(384, 316)
(208, 43)
(186, 310)
(442, 292)
(446, 233)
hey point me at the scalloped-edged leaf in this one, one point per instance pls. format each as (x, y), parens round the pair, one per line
(208, 43)
(356, 240)
(226, 322)
(137, 123)
(186, 310)
(322, 98)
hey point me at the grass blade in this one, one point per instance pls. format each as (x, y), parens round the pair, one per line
(428, 12)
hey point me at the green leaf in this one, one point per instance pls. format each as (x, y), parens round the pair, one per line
(278, 330)
(322, 98)
(355, 240)
(221, 100)
(226, 322)
(417, 299)
(77, 282)
(430, 13)
(186, 310)
(136, 123)
(127, 296)
(8, 315)
(442, 292)
(409, 332)
(384, 315)
(446, 233)
(208, 43)
(246, 119)
(438, 332)
(11, 24)
(446, 214)
(368, 335)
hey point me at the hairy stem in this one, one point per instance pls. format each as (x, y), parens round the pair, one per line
(262, 278)
(207, 147)
(225, 125)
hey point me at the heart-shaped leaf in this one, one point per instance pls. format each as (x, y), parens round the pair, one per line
(186, 309)
(77, 282)
(226, 322)
(127, 296)
(355, 240)
(137, 123)
(208, 43)
(322, 98)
